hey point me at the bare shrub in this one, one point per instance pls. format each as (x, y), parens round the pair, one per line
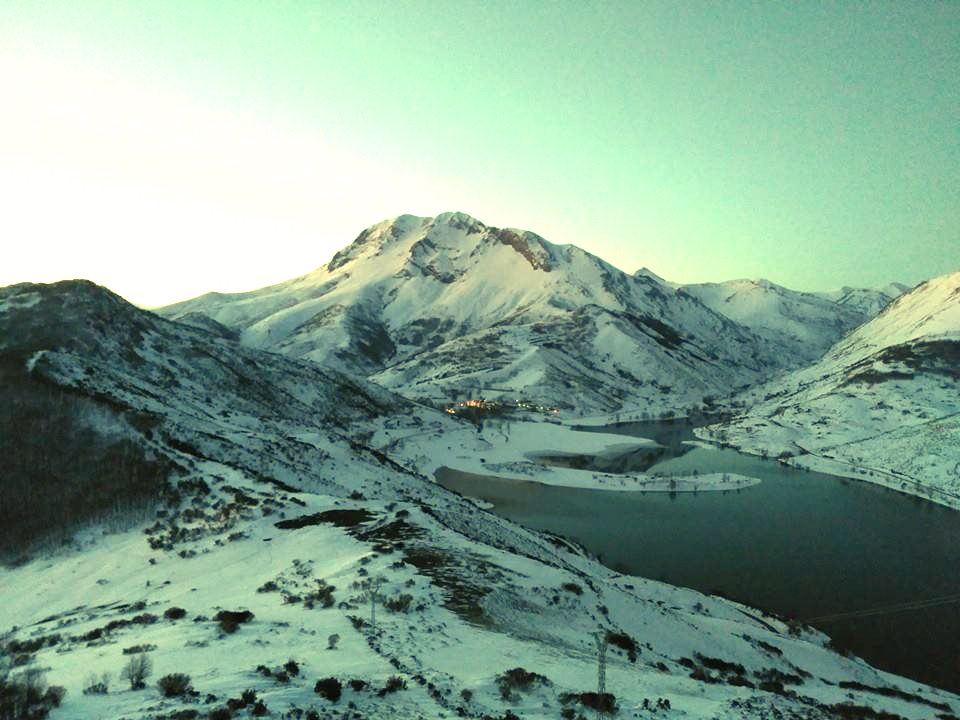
(174, 684)
(97, 685)
(137, 670)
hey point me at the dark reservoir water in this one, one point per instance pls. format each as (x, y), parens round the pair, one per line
(804, 545)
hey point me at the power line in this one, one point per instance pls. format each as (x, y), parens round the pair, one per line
(887, 609)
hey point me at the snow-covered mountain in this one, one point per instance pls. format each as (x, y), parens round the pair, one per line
(802, 325)
(438, 307)
(284, 521)
(882, 404)
(868, 301)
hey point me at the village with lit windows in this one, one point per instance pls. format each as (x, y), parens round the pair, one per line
(487, 408)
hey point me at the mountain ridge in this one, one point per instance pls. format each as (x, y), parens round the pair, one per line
(437, 306)
(804, 325)
(883, 398)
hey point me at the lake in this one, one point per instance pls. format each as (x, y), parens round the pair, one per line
(801, 544)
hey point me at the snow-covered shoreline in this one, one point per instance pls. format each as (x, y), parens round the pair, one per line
(586, 480)
(508, 451)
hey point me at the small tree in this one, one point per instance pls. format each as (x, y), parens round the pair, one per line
(137, 670)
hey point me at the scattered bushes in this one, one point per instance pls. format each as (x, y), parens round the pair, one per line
(281, 674)
(174, 684)
(186, 714)
(27, 696)
(237, 616)
(97, 685)
(605, 703)
(21, 647)
(394, 683)
(174, 613)
(721, 665)
(518, 679)
(246, 699)
(660, 704)
(230, 620)
(623, 641)
(778, 676)
(399, 604)
(772, 649)
(329, 688)
(323, 596)
(134, 649)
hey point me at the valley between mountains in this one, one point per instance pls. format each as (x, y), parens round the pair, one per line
(239, 492)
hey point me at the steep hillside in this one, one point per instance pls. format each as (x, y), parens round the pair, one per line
(882, 404)
(444, 307)
(292, 569)
(802, 325)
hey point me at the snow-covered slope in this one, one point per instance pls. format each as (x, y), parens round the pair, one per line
(282, 530)
(802, 325)
(882, 404)
(441, 307)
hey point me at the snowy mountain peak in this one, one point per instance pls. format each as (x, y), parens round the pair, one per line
(437, 305)
(868, 301)
(803, 325)
(442, 247)
(646, 272)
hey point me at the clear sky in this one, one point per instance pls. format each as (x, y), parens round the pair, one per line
(165, 149)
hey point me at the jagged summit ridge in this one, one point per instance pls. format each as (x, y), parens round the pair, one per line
(448, 233)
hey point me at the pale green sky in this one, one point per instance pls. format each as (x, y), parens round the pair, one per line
(169, 148)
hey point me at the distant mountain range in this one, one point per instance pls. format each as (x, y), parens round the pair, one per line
(882, 404)
(445, 307)
(801, 325)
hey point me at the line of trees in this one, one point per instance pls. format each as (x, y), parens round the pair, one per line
(64, 460)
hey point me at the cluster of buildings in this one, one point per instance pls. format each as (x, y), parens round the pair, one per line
(491, 407)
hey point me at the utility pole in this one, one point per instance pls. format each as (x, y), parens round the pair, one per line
(372, 592)
(601, 670)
